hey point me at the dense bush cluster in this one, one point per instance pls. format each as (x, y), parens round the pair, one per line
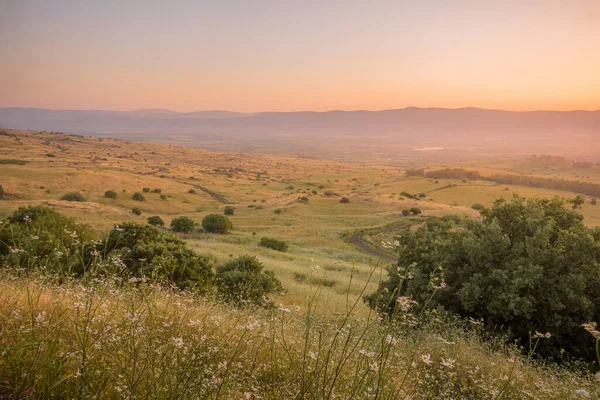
(526, 266)
(155, 220)
(274, 244)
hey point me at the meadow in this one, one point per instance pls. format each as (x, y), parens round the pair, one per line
(321, 340)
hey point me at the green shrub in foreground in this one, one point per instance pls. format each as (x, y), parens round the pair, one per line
(146, 251)
(73, 196)
(527, 266)
(182, 224)
(216, 223)
(274, 244)
(243, 281)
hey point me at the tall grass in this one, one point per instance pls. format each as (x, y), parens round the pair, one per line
(119, 339)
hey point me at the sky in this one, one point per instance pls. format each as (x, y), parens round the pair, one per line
(284, 55)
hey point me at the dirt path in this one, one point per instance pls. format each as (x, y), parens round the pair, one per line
(218, 197)
(357, 240)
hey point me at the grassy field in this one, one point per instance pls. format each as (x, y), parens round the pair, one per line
(264, 189)
(40, 167)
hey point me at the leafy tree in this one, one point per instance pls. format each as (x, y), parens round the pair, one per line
(244, 281)
(182, 224)
(145, 251)
(526, 266)
(111, 194)
(73, 196)
(229, 210)
(216, 223)
(137, 196)
(274, 244)
(156, 221)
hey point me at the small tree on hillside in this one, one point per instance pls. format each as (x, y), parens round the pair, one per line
(137, 196)
(111, 194)
(216, 223)
(182, 224)
(229, 210)
(155, 220)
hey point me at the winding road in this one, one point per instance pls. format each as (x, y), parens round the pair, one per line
(357, 240)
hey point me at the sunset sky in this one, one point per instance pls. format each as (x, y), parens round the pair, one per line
(300, 55)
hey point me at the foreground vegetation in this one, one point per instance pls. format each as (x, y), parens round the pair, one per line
(115, 339)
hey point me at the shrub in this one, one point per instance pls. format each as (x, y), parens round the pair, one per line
(111, 194)
(422, 195)
(290, 187)
(415, 210)
(592, 202)
(344, 200)
(478, 206)
(39, 237)
(73, 196)
(273, 244)
(328, 193)
(229, 210)
(136, 211)
(148, 252)
(277, 211)
(157, 191)
(163, 197)
(243, 281)
(182, 224)
(405, 212)
(303, 199)
(191, 191)
(528, 265)
(137, 196)
(155, 220)
(1, 192)
(216, 223)
(146, 190)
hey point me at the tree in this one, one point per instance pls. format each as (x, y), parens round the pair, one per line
(155, 220)
(111, 194)
(182, 224)
(243, 281)
(229, 210)
(526, 266)
(216, 223)
(137, 196)
(148, 252)
(136, 211)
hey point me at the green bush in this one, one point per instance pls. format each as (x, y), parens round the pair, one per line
(111, 194)
(273, 244)
(405, 212)
(216, 223)
(73, 196)
(155, 220)
(527, 266)
(478, 206)
(146, 190)
(157, 191)
(137, 196)
(136, 211)
(191, 191)
(592, 202)
(415, 211)
(243, 281)
(277, 211)
(145, 251)
(182, 224)
(229, 210)
(163, 197)
(39, 237)
(344, 200)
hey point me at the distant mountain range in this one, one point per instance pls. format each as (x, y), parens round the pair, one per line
(564, 132)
